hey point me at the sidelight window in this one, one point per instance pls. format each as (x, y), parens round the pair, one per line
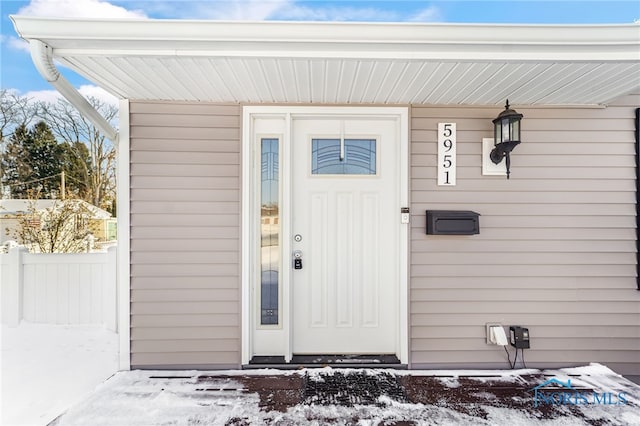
(269, 231)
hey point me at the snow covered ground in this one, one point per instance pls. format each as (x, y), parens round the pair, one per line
(219, 398)
(49, 370)
(46, 369)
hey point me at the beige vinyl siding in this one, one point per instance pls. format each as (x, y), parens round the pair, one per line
(185, 235)
(556, 251)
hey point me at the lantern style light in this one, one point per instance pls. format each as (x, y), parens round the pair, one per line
(506, 135)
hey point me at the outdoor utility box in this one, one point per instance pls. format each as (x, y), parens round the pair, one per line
(452, 222)
(519, 337)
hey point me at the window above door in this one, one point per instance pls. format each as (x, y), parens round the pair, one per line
(343, 156)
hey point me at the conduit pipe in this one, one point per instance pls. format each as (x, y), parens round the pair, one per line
(42, 57)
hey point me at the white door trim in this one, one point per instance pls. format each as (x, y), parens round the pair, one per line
(250, 215)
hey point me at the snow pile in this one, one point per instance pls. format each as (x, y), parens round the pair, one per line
(48, 368)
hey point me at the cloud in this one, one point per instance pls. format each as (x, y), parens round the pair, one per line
(234, 10)
(293, 10)
(430, 14)
(78, 9)
(87, 90)
(49, 96)
(15, 43)
(333, 13)
(261, 10)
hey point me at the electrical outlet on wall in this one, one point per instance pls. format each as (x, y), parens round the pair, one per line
(495, 334)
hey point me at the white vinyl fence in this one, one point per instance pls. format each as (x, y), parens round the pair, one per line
(59, 288)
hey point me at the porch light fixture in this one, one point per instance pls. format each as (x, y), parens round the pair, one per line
(506, 135)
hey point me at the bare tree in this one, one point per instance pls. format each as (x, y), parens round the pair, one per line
(15, 111)
(62, 228)
(69, 125)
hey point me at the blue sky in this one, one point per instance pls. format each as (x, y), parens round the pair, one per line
(18, 73)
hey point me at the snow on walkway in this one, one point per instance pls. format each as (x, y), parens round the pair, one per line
(149, 398)
(46, 369)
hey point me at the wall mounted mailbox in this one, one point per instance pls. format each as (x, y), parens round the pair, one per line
(453, 222)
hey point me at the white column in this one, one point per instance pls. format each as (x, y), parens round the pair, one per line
(123, 256)
(13, 288)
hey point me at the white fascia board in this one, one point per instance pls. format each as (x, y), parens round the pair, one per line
(470, 42)
(200, 30)
(536, 54)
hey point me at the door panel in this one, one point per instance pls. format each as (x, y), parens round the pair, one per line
(345, 297)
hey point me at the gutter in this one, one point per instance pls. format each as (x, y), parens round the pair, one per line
(325, 40)
(42, 56)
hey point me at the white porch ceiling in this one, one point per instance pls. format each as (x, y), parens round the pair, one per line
(342, 63)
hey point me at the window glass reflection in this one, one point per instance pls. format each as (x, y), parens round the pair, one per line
(359, 157)
(270, 232)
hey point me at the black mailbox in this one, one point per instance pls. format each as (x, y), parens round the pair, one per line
(452, 222)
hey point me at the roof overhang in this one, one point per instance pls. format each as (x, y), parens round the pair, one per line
(346, 63)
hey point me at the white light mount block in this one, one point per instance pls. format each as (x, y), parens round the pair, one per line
(496, 334)
(488, 167)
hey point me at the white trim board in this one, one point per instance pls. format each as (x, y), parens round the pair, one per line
(124, 235)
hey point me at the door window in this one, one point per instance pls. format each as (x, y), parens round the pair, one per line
(343, 157)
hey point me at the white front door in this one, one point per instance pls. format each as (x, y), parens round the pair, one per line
(345, 225)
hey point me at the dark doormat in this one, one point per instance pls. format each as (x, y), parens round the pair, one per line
(346, 360)
(322, 360)
(351, 388)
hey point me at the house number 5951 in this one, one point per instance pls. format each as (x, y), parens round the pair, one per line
(446, 154)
